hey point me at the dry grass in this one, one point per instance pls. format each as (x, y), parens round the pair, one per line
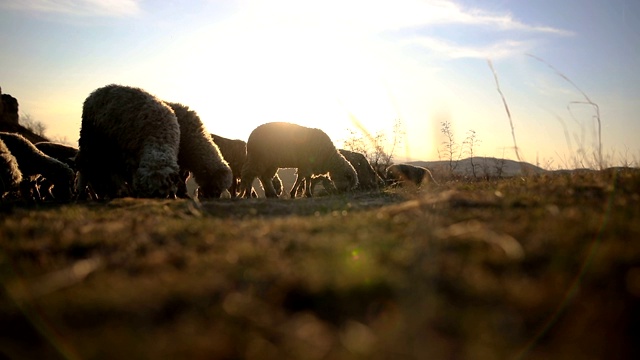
(544, 267)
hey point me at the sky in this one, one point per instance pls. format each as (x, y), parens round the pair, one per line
(566, 69)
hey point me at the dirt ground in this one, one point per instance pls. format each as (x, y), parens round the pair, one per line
(542, 267)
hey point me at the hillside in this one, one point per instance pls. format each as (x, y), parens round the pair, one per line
(537, 267)
(493, 167)
(484, 166)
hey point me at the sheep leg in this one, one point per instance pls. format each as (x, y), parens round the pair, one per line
(246, 182)
(296, 185)
(277, 184)
(183, 192)
(84, 191)
(233, 189)
(307, 186)
(300, 189)
(267, 183)
(246, 186)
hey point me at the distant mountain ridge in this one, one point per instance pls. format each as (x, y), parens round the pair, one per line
(484, 166)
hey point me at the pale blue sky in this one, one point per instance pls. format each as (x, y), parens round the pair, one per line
(322, 64)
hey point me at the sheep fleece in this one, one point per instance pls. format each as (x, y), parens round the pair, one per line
(200, 155)
(128, 135)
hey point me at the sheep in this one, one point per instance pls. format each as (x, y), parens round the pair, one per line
(329, 187)
(128, 145)
(235, 152)
(285, 145)
(33, 162)
(368, 178)
(10, 174)
(65, 153)
(401, 174)
(199, 155)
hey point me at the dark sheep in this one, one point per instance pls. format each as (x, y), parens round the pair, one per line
(33, 163)
(235, 153)
(284, 145)
(368, 178)
(402, 174)
(65, 153)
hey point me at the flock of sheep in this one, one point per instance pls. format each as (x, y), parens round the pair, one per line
(133, 144)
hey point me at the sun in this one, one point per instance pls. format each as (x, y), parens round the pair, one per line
(246, 72)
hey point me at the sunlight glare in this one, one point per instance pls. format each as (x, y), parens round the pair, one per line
(255, 69)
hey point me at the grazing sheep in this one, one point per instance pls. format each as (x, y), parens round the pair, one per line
(400, 174)
(65, 153)
(328, 186)
(368, 178)
(235, 153)
(10, 175)
(33, 163)
(199, 155)
(129, 142)
(284, 145)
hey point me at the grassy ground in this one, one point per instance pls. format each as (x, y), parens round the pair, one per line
(546, 267)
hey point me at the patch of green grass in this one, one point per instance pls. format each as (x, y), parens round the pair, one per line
(537, 267)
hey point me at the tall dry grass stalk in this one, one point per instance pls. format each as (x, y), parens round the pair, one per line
(506, 107)
(587, 101)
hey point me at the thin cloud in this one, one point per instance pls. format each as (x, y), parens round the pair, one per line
(379, 16)
(100, 8)
(497, 50)
(507, 22)
(446, 12)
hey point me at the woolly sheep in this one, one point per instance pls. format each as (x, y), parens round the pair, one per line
(65, 153)
(400, 174)
(368, 178)
(33, 162)
(128, 145)
(10, 175)
(235, 153)
(285, 145)
(199, 155)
